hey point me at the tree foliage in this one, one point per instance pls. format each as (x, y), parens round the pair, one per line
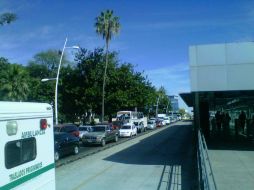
(14, 83)
(7, 18)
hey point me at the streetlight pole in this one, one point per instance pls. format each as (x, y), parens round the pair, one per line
(57, 79)
(157, 104)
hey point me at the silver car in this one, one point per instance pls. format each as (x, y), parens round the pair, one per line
(100, 134)
(151, 124)
(84, 129)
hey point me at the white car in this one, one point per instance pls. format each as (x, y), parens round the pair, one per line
(128, 130)
(84, 129)
(151, 124)
(162, 120)
(167, 120)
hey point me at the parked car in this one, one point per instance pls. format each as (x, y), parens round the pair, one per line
(151, 124)
(67, 128)
(140, 126)
(128, 130)
(162, 120)
(167, 120)
(65, 143)
(172, 119)
(100, 134)
(84, 129)
(159, 123)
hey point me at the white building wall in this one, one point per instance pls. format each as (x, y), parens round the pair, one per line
(220, 67)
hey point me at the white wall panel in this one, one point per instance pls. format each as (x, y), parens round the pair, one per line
(220, 67)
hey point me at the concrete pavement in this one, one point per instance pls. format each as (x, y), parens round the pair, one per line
(232, 163)
(159, 160)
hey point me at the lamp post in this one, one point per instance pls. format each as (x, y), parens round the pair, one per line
(157, 104)
(57, 77)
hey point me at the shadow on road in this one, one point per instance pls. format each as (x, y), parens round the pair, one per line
(171, 148)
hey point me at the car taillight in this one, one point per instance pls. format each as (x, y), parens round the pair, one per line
(76, 133)
(43, 124)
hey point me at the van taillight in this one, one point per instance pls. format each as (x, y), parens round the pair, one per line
(43, 124)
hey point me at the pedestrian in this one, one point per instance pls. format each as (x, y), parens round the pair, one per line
(226, 121)
(218, 120)
(252, 127)
(213, 122)
(242, 120)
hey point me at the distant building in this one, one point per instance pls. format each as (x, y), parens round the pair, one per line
(174, 102)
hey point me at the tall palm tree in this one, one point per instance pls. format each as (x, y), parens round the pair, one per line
(14, 84)
(106, 25)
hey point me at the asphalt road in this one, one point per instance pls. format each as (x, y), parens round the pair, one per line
(88, 150)
(162, 159)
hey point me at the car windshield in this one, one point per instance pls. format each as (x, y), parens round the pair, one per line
(83, 128)
(150, 122)
(56, 129)
(58, 137)
(98, 128)
(126, 127)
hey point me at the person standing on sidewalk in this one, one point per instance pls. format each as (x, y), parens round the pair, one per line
(226, 121)
(242, 120)
(218, 121)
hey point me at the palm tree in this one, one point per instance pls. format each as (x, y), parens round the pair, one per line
(106, 25)
(14, 84)
(7, 18)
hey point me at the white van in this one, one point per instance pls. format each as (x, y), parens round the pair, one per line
(26, 146)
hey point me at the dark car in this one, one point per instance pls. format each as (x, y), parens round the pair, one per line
(159, 123)
(100, 134)
(67, 128)
(65, 143)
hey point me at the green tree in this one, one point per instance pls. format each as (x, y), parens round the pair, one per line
(7, 18)
(106, 25)
(50, 59)
(126, 88)
(14, 83)
(182, 112)
(44, 65)
(164, 102)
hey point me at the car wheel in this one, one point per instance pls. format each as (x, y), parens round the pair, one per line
(57, 156)
(116, 138)
(103, 143)
(130, 135)
(76, 150)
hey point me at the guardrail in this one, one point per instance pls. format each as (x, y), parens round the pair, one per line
(205, 173)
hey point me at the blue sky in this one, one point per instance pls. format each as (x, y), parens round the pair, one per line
(155, 34)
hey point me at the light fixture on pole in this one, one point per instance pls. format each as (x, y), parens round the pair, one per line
(47, 79)
(57, 77)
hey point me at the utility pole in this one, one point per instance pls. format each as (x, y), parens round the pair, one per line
(157, 104)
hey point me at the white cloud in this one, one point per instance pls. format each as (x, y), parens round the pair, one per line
(175, 79)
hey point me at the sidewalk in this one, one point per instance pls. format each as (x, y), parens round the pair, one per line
(233, 164)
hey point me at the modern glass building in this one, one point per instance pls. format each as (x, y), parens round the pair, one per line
(174, 102)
